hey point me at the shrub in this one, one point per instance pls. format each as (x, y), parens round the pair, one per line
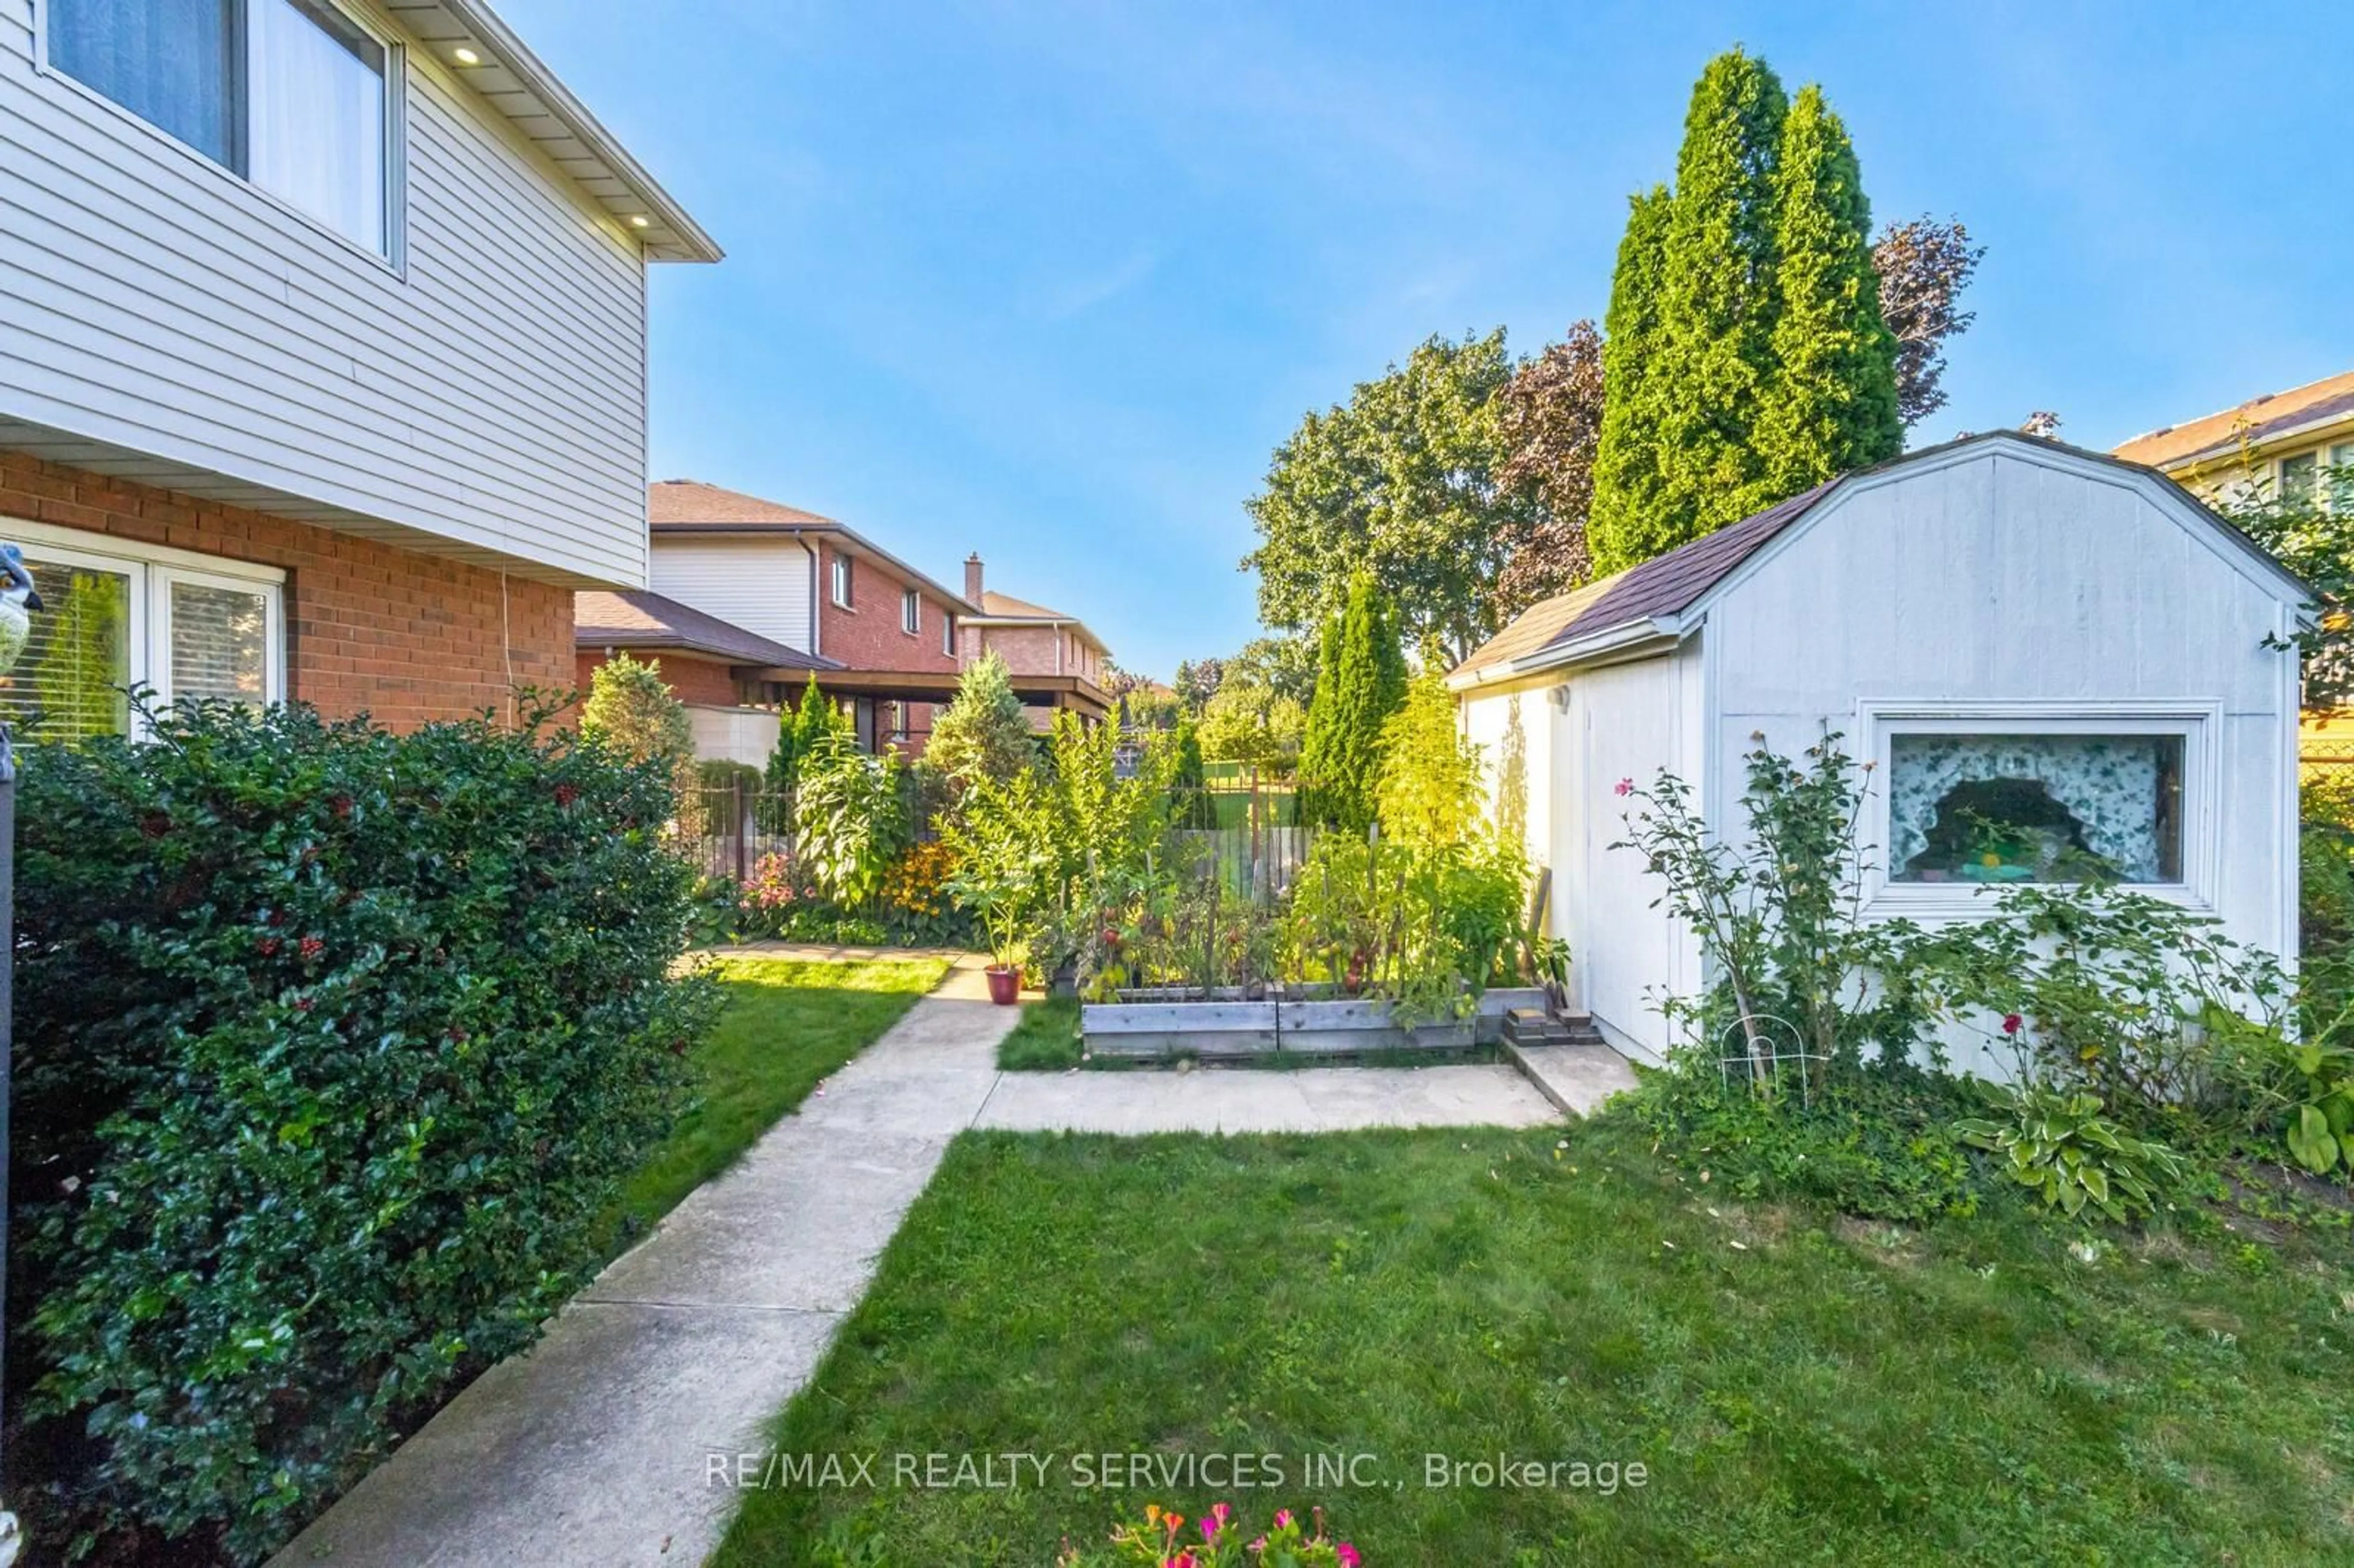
(1883, 1144)
(2057, 1143)
(332, 1044)
(983, 733)
(851, 819)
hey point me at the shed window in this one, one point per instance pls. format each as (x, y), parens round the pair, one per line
(1994, 808)
(115, 616)
(291, 94)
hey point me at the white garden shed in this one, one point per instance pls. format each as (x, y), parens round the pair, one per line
(2046, 653)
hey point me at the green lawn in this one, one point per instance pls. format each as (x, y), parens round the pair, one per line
(1046, 1040)
(788, 1023)
(1800, 1388)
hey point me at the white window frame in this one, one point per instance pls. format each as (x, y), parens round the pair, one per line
(153, 569)
(947, 633)
(838, 580)
(2200, 724)
(899, 711)
(394, 257)
(911, 612)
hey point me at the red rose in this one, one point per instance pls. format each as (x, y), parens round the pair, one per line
(267, 946)
(2011, 1022)
(310, 947)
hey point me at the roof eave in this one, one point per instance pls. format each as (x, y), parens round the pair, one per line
(1611, 645)
(672, 234)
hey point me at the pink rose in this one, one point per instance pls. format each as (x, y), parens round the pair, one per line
(1626, 787)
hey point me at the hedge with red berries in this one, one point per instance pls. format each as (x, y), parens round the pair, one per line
(332, 1044)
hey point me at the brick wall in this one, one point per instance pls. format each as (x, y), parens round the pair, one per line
(406, 637)
(869, 635)
(689, 680)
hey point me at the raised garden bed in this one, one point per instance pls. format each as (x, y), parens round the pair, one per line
(1227, 1023)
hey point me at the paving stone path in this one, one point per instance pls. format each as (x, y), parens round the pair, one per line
(599, 1445)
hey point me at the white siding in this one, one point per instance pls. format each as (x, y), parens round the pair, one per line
(166, 322)
(2001, 577)
(1624, 722)
(2006, 580)
(759, 584)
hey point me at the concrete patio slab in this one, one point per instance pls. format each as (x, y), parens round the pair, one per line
(1312, 1099)
(1577, 1078)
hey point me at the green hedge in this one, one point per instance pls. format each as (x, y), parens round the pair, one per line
(332, 1044)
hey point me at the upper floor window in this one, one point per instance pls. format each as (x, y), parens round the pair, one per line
(2296, 477)
(947, 635)
(291, 94)
(911, 612)
(842, 581)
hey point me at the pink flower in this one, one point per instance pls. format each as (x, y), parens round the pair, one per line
(1347, 1554)
(1283, 1518)
(2011, 1022)
(1626, 787)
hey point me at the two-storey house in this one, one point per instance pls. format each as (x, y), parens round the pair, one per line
(883, 639)
(323, 354)
(1035, 643)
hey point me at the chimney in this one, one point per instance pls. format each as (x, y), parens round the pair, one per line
(972, 578)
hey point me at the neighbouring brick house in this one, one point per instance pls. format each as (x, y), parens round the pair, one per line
(344, 420)
(886, 638)
(1034, 641)
(727, 677)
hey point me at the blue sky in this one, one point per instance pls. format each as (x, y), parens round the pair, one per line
(1051, 282)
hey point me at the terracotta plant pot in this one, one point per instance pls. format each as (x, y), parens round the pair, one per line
(1004, 985)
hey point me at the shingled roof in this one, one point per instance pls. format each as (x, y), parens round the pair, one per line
(2251, 423)
(636, 619)
(1667, 585)
(1664, 585)
(689, 503)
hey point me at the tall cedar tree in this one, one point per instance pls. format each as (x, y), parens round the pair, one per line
(1627, 485)
(1551, 417)
(1715, 367)
(1339, 760)
(1831, 403)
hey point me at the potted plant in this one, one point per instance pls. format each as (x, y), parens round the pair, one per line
(999, 871)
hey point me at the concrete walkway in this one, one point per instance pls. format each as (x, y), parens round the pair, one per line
(594, 1446)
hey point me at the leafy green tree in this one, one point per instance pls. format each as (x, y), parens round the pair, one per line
(983, 734)
(1428, 784)
(1627, 485)
(2316, 540)
(1197, 681)
(1362, 685)
(1399, 480)
(1252, 724)
(1831, 403)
